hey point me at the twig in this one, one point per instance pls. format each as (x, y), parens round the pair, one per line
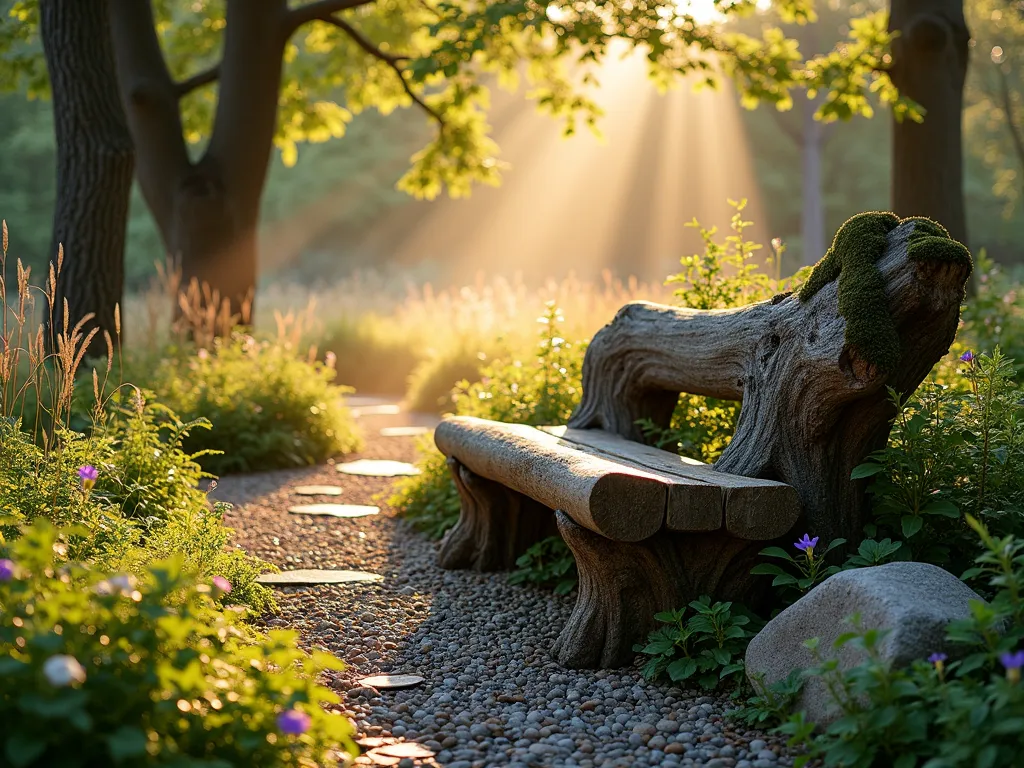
(198, 80)
(318, 10)
(391, 60)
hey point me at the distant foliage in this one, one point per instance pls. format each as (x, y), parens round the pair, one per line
(267, 407)
(548, 563)
(99, 669)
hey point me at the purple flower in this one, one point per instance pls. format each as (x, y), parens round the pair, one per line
(293, 722)
(937, 658)
(1012, 660)
(807, 544)
(222, 584)
(967, 357)
(87, 475)
(6, 569)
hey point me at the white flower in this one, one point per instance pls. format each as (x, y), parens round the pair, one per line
(122, 584)
(62, 671)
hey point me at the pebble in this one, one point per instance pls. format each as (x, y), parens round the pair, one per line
(491, 695)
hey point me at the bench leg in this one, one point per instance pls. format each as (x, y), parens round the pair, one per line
(622, 585)
(496, 525)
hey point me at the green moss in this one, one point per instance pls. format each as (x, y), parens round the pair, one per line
(853, 260)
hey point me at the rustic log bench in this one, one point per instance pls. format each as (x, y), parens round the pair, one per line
(651, 530)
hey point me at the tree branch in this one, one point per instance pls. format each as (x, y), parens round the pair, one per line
(318, 10)
(198, 80)
(391, 60)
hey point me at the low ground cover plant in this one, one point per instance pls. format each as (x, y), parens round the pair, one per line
(940, 712)
(122, 607)
(101, 669)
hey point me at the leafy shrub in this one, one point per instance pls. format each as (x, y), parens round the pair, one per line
(540, 391)
(548, 563)
(267, 407)
(994, 315)
(709, 644)
(429, 500)
(952, 450)
(104, 670)
(771, 704)
(965, 712)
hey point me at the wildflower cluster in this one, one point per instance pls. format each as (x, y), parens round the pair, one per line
(118, 670)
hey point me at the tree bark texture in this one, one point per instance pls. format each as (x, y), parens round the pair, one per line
(94, 166)
(930, 66)
(813, 408)
(207, 210)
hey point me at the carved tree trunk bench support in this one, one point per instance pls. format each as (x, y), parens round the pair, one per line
(650, 530)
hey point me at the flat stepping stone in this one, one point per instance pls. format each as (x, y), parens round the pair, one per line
(376, 757)
(375, 410)
(405, 749)
(305, 577)
(403, 431)
(334, 510)
(391, 681)
(317, 490)
(378, 468)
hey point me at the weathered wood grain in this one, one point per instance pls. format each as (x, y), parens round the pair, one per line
(620, 502)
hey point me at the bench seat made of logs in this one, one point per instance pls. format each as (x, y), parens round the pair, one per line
(620, 489)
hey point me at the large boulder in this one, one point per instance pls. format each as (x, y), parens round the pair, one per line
(914, 601)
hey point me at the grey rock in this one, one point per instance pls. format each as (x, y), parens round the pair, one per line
(914, 601)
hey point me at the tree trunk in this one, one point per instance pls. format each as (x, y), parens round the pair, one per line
(94, 166)
(813, 219)
(207, 211)
(930, 66)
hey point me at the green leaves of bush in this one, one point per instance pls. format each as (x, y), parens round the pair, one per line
(542, 388)
(707, 645)
(96, 670)
(548, 563)
(267, 407)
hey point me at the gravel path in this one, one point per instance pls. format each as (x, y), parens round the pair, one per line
(492, 695)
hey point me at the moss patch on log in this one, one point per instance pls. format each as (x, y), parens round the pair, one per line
(853, 261)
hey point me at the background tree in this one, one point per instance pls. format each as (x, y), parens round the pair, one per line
(995, 95)
(929, 66)
(95, 161)
(280, 69)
